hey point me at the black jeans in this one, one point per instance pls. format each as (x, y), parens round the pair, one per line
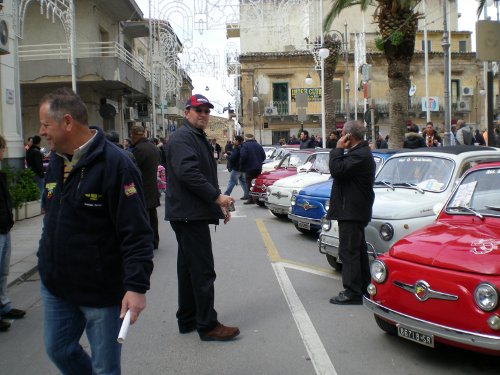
(354, 256)
(249, 176)
(195, 275)
(153, 221)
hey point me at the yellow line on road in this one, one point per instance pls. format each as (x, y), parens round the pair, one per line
(274, 255)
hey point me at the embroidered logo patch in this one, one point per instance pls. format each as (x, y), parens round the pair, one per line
(93, 196)
(49, 188)
(130, 189)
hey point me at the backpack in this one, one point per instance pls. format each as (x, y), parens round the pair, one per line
(467, 137)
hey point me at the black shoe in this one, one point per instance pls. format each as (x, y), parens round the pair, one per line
(14, 314)
(4, 326)
(344, 299)
(244, 198)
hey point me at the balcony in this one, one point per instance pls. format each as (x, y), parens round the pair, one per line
(106, 62)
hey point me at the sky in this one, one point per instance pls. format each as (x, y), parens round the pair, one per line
(215, 40)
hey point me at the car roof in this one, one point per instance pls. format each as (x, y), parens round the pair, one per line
(451, 150)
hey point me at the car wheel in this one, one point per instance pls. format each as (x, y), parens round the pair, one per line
(281, 216)
(386, 326)
(333, 262)
(261, 204)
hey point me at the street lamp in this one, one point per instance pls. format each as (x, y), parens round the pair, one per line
(323, 54)
(309, 79)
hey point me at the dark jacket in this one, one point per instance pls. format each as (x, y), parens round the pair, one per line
(414, 140)
(34, 160)
(308, 143)
(192, 181)
(233, 159)
(6, 217)
(147, 156)
(96, 241)
(251, 156)
(352, 193)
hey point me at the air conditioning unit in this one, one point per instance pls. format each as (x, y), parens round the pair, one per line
(271, 111)
(129, 113)
(464, 105)
(4, 38)
(467, 91)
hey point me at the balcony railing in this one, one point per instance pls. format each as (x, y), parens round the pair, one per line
(61, 51)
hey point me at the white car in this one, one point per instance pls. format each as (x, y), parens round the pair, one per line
(314, 170)
(275, 158)
(410, 190)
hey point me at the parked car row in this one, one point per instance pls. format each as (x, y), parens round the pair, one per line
(434, 237)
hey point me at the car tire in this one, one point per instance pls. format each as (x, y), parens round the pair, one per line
(261, 204)
(386, 326)
(332, 261)
(281, 216)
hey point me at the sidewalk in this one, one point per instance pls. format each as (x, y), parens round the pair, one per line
(24, 237)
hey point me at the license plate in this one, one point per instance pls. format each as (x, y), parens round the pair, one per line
(304, 225)
(281, 210)
(415, 336)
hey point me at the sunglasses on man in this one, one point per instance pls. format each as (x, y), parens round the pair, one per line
(199, 110)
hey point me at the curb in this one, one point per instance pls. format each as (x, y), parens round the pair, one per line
(22, 278)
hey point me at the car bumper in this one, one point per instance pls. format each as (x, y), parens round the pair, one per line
(328, 244)
(277, 208)
(301, 219)
(471, 339)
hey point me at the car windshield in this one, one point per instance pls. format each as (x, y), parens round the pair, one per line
(294, 159)
(416, 172)
(478, 193)
(317, 162)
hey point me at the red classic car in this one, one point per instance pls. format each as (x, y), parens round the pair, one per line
(287, 167)
(441, 283)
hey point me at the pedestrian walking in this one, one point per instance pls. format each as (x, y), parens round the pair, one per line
(6, 224)
(34, 161)
(251, 159)
(95, 253)
(351, 202)
(147, 156)
(193, 201)
(233, 165)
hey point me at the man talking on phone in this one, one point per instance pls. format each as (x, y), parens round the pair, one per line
(351, 200)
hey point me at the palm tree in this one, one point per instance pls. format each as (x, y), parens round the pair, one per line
(480, 7)
(397, 21)
(334, 45)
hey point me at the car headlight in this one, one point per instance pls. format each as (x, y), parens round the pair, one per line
(268, 191)
(253, 182)
(327, 205)
(378, 270)
(486, 297)
(326, 224)
(295, 191)
(293, 200)
(386, 232)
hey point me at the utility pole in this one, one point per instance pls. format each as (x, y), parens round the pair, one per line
(446, 53)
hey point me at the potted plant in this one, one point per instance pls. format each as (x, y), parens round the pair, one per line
(24, 192)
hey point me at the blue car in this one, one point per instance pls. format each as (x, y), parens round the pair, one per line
(311, 203)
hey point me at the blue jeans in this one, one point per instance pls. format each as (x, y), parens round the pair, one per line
(64, 323)
(5, 305)
(233, 180)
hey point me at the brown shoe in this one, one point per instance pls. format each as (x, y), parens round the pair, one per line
(220, 333)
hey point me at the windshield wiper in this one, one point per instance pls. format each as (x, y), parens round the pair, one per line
(466, 209)
(409, 184)
(385, 183)
(493, 208)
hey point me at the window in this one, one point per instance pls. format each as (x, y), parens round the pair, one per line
(455, 90)
(462, 46)
(280, 97)
(429, 45)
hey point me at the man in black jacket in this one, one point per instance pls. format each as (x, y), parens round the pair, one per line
(251, 158)
(6, 223)
(351, 204)
(305, 141)
(193, 201)
(233, 164)
(147, 157)
(34, 161)
(95, 254)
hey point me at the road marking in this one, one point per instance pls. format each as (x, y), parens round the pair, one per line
(310, 269)
(317, 352)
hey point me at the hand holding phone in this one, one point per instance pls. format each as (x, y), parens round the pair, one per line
(348, 136)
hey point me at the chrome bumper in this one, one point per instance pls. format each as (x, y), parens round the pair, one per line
(302, 219)
(326, 248)
(261, 197)
(472, 339)
(278, 208)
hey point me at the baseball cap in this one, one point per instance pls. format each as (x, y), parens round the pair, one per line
(197, 100)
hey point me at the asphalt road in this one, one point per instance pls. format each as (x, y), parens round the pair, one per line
(272, 283)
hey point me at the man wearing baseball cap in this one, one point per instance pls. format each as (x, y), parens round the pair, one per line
(193, 201)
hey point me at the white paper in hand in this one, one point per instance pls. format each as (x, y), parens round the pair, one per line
(124, 328)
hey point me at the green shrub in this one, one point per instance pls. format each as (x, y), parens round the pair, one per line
(22, 185)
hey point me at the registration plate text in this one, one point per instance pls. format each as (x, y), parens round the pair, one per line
(416, 336)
